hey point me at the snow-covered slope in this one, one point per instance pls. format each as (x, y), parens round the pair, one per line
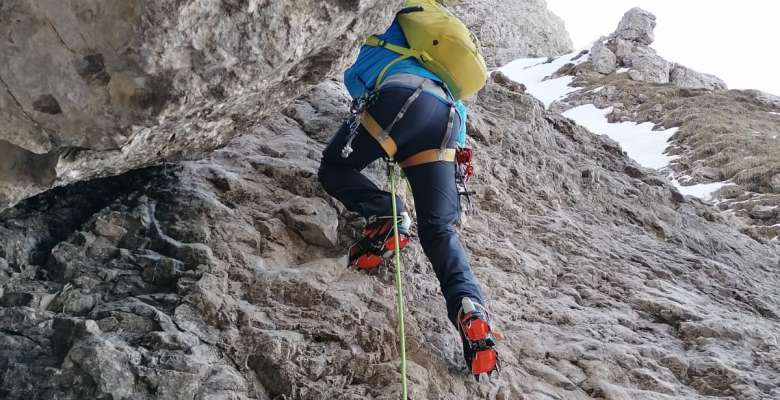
(670, 118)
(534, 74)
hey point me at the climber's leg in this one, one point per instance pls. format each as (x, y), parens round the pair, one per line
(341, 177)
(436, 203)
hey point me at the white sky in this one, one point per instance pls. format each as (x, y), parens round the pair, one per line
(739, 41)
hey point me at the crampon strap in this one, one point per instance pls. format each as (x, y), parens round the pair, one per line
(475, 327)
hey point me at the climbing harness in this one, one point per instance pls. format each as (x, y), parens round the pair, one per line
(376, 245)
(362, 117)
(474, 327)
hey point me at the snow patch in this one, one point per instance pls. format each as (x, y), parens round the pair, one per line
(642, 143)
(533, 73)
(703, 191)
(639, 141)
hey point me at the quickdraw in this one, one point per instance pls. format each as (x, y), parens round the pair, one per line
(356, 109)
(464, 170)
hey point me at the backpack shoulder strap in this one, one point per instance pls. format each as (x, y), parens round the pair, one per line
(377, 42)
(402, 51)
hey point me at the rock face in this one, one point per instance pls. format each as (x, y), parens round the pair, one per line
(511, 29)
(646, 66)
(201, 280)
(723, 136)
(603, 59)
(687, 78)
(774, 183)
(630, 44)
(89, 90)
(224, 278)
(637, 26)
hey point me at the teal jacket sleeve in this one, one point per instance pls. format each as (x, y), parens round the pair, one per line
(463, 112)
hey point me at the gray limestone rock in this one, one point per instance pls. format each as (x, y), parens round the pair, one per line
(603, 59)
(624, 51)
(774, 183)
(722, 135)
(508, 30)
(200, 280)
(646, 66)
(763, 212)
(766, 99)
(90, 90)
(637, 26)
(314, 219)
(601, 283)
(687, 78)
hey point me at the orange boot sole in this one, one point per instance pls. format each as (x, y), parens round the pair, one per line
(369, 261)
(485, 360)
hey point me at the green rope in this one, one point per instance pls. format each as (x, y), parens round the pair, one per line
(398, 286)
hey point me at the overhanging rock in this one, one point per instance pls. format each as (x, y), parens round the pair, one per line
(92, 89)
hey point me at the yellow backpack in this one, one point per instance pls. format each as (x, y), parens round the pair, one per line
(442, 44)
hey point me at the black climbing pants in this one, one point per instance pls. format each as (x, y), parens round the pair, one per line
(433, 185)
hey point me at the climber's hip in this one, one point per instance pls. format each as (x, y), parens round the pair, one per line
(407, 121)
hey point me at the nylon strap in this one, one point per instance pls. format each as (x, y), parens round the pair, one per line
(433, 155)
(405, 108)
(448, 134)
(377, 42)
(378, 133)
(405, 53)
(387, 68)
(382, 135)
(428, 156)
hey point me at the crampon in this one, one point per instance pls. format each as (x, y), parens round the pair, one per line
(478, 340)
(378, 243)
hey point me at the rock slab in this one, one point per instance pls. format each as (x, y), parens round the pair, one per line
(90, 90)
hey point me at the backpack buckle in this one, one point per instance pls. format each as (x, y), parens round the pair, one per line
(425, 57)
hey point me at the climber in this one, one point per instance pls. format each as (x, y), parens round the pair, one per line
(404, 111)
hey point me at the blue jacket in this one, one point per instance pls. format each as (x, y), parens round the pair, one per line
(361, 76)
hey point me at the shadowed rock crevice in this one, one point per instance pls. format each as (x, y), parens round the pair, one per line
(51, 218)
(22, 168)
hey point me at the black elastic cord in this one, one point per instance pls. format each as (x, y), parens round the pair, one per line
(409, 10)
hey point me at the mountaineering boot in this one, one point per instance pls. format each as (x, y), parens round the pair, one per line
(478, 341)
(378, 242)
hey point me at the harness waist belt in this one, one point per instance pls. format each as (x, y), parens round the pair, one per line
(428, 156)
(414, 81)
(391, 148)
